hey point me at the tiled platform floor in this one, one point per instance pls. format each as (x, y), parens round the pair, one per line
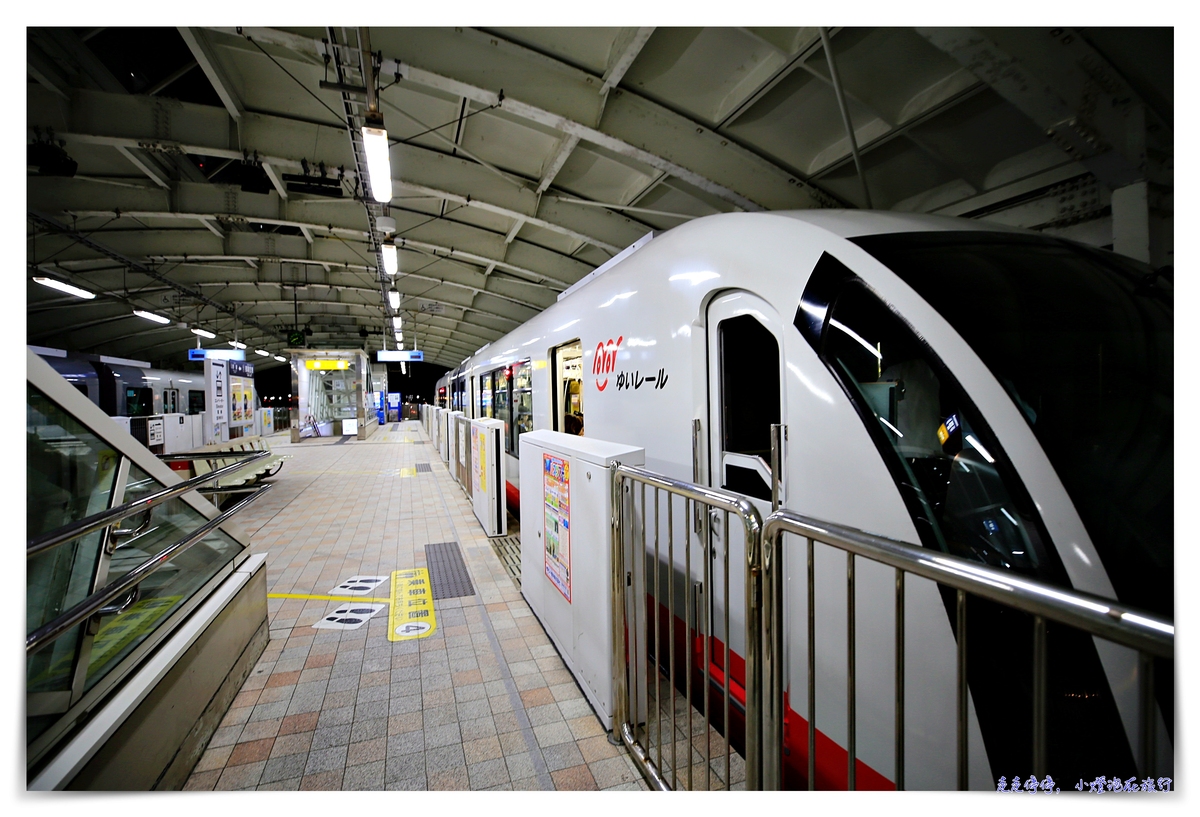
(483, 703)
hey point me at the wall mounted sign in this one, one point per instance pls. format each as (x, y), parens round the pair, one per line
(327, 364)
(395, 355)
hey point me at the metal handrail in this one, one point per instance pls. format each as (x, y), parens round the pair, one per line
(752, 524)
(90, 606)
(1108, 619)
(1130, 627)
(66, 533)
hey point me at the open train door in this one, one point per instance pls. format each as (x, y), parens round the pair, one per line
(745, 399)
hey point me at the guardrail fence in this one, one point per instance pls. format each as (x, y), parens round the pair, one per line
(676, 705)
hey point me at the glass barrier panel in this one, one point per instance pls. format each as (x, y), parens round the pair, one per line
(166, 589)
(69, 474)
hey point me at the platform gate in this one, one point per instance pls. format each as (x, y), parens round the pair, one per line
(672, 718)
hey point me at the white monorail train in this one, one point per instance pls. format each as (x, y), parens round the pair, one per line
(997, 394)
(122, 389)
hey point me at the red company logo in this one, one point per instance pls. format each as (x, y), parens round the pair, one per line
(605, 360)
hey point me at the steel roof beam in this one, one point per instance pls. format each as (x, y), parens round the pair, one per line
(198, 43)
(631, 43)
(96, 246)
(551, 282)
(482, 96)
(1079, 101)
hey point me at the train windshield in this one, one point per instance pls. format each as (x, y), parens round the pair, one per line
(1082, 342)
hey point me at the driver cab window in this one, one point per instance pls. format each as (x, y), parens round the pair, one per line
(961, 492)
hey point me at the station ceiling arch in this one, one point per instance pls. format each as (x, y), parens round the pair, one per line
(523, 158)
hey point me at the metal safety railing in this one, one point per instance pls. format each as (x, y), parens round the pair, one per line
(103, 519)
(1149, 635)
(99, 602)
(650, 538)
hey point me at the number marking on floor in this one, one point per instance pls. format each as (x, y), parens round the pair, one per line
(411, 614)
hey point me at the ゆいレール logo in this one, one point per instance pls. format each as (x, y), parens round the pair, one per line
(605, 360)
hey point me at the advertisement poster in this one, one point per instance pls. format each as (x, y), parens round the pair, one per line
(556, 485)
(478, 459)
(235, 401)
(241, 401)
(218, 396)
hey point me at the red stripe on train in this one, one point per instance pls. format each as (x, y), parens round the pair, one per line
(831, 758)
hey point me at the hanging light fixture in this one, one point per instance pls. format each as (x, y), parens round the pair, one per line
(62, 286)
(397, 322)
(399, 336)
(204, 333)
(394, 298)
(150, 316)
(379, 163)
(281, 359)
(237, 345)
(262, 352)
(391, 262)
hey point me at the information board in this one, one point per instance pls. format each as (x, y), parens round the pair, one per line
(556, 488)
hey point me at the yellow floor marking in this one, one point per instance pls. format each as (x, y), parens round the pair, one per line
(408, 472)
(365, 599)
(411, 614)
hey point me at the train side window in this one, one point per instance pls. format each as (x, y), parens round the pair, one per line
(139, 401)
(567, 393)
(749, 404)
(522, 403)
(485, 395)
(961, 491)
(195, 401)
(501, 401)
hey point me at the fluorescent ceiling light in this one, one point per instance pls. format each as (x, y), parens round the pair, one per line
(394, 298)
(379, 163)
(204, 333)
(62, 286)
(402, 369)
(396, 321)
(236, 345)
(391, 263)
(150, 378)
(281, 359)
(262, 352)
(399, 337)
(181, 380)
(150, 316)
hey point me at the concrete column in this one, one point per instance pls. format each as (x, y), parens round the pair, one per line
(1131, 221)
(1144, 223)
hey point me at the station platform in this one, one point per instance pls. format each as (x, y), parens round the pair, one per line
(482, 703)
